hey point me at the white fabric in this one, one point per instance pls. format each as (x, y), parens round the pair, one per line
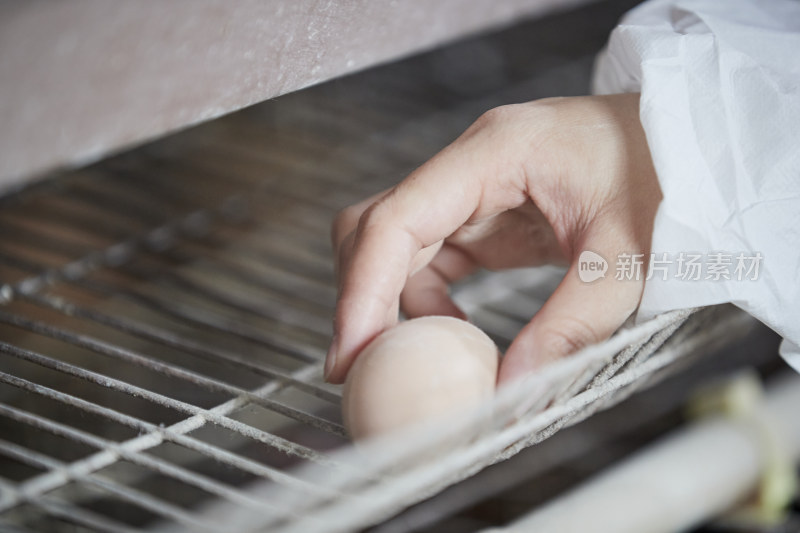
(720, 105)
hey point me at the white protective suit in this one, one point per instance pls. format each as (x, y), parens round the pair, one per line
(720, 105)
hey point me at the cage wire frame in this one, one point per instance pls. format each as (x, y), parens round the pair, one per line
(164, 316)
(391, 474)
(327, 490)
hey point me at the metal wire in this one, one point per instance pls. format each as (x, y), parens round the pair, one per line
(75, 272)
(180, 342)
(165, 401)
(165, 509)
(167, 369)
(137, 284)
(213, 452)
(72, 514)
(184, 293)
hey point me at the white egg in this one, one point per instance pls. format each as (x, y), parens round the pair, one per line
(417, 371)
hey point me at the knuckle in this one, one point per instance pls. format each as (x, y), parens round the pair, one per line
(341, 226)
(381, 218)
(347, 217)
(348, 220)
(568, 336)
(520, 126)
(372, 216)
(495, 116)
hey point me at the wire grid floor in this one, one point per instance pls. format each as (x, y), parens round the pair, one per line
(165, 314)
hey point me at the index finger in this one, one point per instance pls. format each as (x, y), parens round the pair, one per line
(427, 207)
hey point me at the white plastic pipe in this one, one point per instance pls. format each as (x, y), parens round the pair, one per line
(680, 481)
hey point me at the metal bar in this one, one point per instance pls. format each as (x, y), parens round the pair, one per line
(275, 255)
(265, 308)
(179, 342)
(214, 253)
(8, 527)
(159, 238)
(100, 222)
(200, 481)
(283, 159)
(36, 238)
(275, 441)
(145, 184)
(139, 359)
(137, 205)
(209, 450)
(177, 188)
(128, 494)
(636, 352)
(65, 209)
(124, 206)
(17, 263)
(202, 318)
(105, 457)
(190, 314)
(120, 253)
(262, 187)
(114, 255)
(133, 201)
(225, 266)
(232, 210)
(72, 514)
(143, 214)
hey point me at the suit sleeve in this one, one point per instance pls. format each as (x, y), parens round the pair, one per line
(720, 105)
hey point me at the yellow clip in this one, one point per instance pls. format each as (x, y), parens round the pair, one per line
(740, 398)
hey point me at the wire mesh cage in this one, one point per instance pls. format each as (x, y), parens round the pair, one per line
(165, 312)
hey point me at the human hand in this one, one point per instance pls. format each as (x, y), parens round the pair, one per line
(525, 185)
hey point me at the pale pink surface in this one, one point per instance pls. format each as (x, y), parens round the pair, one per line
(418, 371)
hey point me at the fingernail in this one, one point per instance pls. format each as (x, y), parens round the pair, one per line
(330, 359)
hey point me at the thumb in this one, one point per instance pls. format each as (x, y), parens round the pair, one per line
(577, 314)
